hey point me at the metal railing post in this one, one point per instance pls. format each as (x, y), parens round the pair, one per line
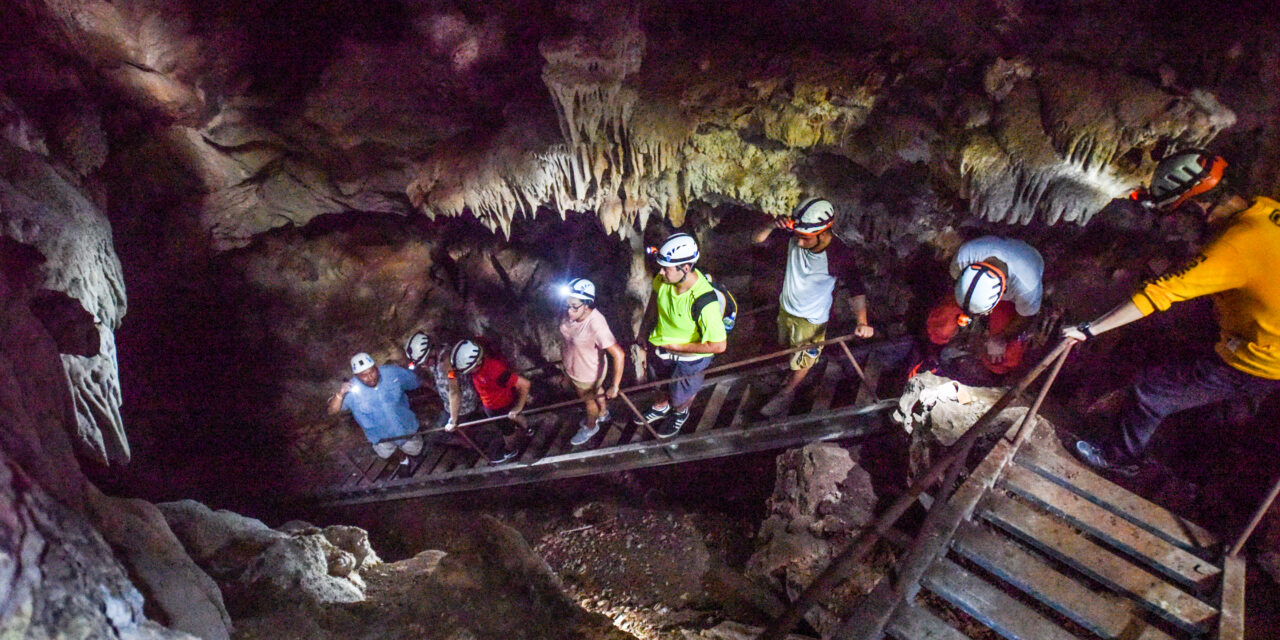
(1257, 518)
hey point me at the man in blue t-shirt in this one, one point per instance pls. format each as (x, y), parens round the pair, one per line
(376, 397)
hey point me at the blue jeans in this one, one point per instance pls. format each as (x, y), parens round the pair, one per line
(1162, 391)
(679, 392)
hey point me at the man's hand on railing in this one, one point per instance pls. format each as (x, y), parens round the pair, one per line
(450, 425)
(864, 331)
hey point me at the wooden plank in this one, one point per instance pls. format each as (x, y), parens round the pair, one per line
(740, 414)
(712, 410)
(989, 605)
(867, 392)
(1140, 544)
(1231, 623)
(1101, 613)
(429, 460)
(544, 440)
(620, 432)
(827, 389)
(839, 424)
(873, 612)
(914, 622)
(1067, 472)
(1067, 545)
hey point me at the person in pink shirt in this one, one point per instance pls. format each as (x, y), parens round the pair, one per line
(586, 333)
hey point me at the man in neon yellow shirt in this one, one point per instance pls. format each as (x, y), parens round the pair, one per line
(1238, 270)
(688, 329)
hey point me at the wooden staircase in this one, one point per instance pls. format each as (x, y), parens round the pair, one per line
(1036, 546)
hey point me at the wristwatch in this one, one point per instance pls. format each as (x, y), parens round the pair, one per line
(1083, 327)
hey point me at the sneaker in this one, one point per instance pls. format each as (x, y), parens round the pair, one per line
(503, 457)
(403, 470)
(673, 425)
(1102, 460)
(604, 419)
(584, 433)
(779, 405)
(652, 415)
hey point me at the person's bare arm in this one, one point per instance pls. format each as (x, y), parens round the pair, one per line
(522, 395)
(859, 306)
(615, 352)
(335, 400)
(697, 347)
(762, 234)
(1114, 319)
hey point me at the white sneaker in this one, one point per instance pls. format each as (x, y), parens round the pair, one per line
(584, 433)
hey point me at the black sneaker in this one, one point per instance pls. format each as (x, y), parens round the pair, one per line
(1105, 459)
(652, 415)
(672, 425)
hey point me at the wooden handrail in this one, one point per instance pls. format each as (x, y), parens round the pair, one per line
(834, 574)
(866, 346)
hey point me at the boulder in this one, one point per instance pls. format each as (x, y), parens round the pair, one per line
(297, 568)
(222, 542)
(259, 566)
(60, 579)
(821, 500)
(188, 598)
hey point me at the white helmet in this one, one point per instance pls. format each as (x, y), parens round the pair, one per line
(361, 362)
(680, 248)
(813, 216)
(979, 288)
(417, 347)
(466, 355)
(582, 289)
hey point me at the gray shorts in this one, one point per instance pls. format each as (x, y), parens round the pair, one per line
(679, 392)
(410, 447)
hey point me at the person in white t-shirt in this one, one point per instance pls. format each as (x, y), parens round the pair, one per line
(586, 333)
(816, 261)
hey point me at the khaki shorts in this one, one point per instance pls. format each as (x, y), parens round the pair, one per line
(584, 387)
(410, 447)
(794, 331)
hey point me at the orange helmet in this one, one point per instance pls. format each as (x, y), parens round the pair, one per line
(1185, 175)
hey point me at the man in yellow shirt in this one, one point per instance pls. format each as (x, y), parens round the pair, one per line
(688, 329)
(1238, 269)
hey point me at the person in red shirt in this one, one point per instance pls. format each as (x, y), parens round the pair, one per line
(501, 391)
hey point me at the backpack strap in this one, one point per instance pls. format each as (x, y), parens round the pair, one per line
(701, 302)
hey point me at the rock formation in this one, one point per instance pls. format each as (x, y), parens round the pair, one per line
(821, 500)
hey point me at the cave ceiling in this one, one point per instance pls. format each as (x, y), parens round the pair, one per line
(216, 124)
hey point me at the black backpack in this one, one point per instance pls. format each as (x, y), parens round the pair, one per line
(720, 294)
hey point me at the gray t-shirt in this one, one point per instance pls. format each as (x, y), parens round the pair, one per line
(1026, 268)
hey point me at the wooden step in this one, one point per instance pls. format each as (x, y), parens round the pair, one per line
(1054, 465)
(740, 414)
(712, 411)
(1067, 545)
(990, 605)
(1231, 622)
(914, 622)
(867, 390)
(827, 388)
(1137, 542)
(1102, 613)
